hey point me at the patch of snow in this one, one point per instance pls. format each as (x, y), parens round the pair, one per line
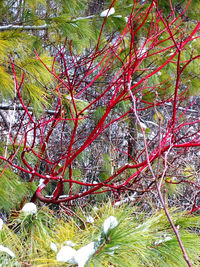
(90, 219)
(142, 51)
(118, 203)
(143, 125)
(80, 257)
(83, 254)
(132, 197)
(29, 208)
(1, 224)
(109, 224)
(167, 238)
(74, 25)
(126, 19)
(53, 247)
(66, 254)
(140, 135)
(125, 200)
(107, 12)
(49, 196)
(63, 196)
(69, 243)
(41, 184)
(7, 250)
(112, 250)
(152, 135)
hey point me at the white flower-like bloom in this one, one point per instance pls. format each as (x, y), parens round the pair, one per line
(159, 73)
(126, 19)
(53, 247)
(29, 208)
(105, 13)
(90, 219)
(7, 250)
(66, 254)
(1, 224)
(83, 254)
(109, 224)
(69, 243)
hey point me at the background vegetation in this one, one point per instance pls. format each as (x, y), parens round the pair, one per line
(99, 117)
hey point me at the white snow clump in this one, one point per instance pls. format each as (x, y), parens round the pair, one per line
(95, 208)
(53, 247)
(41, 184)
(1, 224)
(83, 254)
(7, 250)
(112, 250)
(29, 208)
(72, 256)
(105, 13)
(69, 243)
(66, 254)
(165, 239)
(125, 200)
(90, 219)
(143, 125)
(109, 224)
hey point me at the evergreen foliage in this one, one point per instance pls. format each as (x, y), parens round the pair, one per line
(137, 239)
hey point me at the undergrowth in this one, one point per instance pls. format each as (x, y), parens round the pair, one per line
(137, 240)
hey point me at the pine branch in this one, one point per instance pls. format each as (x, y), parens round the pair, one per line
(37, 27)
(22, 27)
(19, 107)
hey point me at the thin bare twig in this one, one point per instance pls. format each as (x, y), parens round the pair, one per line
(176, 232)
